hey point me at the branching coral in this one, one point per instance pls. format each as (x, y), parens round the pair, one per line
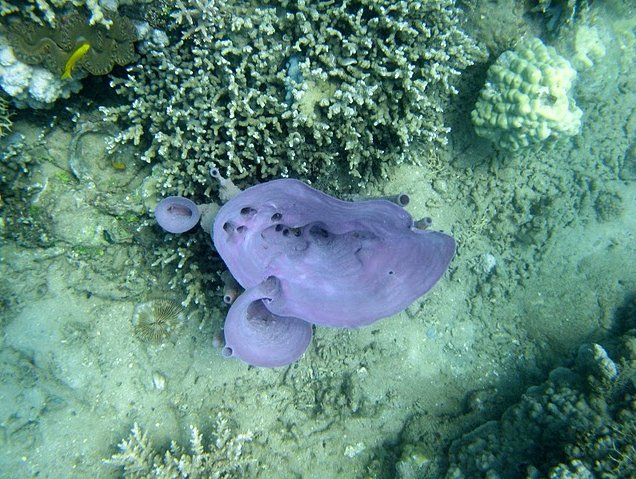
(5, 117)
(223, 459)
(303, 88)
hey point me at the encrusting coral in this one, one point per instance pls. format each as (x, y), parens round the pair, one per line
(302, 88)
(54, 48)
(224, 457)
(527, 99)
(580, 423)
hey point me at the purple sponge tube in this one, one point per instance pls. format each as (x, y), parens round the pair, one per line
(177, 214)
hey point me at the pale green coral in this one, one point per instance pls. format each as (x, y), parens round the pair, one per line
(527, 98)
(320, 89)
(223, 458)
(48, 11)
(5, 117)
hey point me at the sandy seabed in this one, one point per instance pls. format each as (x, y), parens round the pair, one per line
(546, 255)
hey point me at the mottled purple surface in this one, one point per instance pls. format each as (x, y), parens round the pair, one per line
(176, 214)
(343, 264)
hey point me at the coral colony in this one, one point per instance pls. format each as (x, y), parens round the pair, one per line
(304, 257)
(527, 99)
(311, 89)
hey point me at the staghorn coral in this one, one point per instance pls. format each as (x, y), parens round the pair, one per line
(53, 47)
(223, 459)
(294, 88)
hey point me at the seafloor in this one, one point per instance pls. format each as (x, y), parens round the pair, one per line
(546, 257)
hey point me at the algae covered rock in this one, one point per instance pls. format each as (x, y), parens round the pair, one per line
(527, 100)
(580, 423)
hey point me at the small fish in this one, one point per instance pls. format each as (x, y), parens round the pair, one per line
(76, 56)
(118, 165)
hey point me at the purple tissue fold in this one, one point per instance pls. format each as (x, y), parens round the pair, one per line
(258, 336)
(305, 257)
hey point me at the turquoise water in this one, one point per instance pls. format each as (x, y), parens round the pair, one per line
(545, 264)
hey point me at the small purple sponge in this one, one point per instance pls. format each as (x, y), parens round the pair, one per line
(176, 214)
(258, 336)
(303, 256)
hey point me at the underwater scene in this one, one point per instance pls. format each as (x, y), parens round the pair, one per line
(316, 239)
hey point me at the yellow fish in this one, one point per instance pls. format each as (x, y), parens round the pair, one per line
(76, 56)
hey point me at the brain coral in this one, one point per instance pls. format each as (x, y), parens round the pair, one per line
(526, 99)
